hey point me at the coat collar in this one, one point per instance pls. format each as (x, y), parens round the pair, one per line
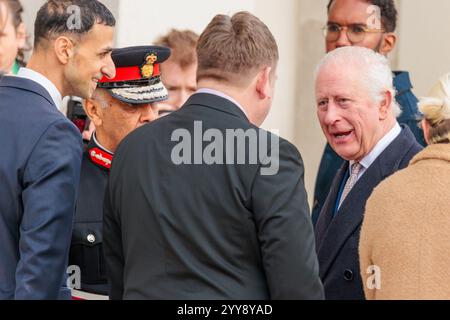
(402, 82)
(433, 152)
(98, 155)
(26, 84)
(42, 80)
(332, 233)
(215, 102)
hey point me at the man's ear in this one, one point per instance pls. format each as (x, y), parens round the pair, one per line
(385, 105)
(94, 111)
(263, 83)
(64, 49)
(426, 130)
(389, 41)
(21, 35)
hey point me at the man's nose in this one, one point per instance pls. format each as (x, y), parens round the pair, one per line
(182, 98)
(332, 115)
(109, 70)
(343, 40)
(148, 113)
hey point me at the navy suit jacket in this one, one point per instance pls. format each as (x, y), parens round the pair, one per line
(40, 164)
(337, 238)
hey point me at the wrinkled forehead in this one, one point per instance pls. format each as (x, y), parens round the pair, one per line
(340, 69)
(335, 79)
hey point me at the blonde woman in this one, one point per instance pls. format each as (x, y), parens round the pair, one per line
(405, 238)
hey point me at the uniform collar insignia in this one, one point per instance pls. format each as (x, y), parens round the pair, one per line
(99, 155)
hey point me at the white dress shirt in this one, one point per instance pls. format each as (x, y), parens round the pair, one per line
(367, 161)
(44, 82)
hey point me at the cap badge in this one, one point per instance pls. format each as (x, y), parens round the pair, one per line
(148, 68)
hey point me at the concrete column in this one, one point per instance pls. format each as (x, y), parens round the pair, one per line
(311, 17)
(423, 34)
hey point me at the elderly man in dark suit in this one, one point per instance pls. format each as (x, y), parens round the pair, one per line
(357, 111)
(41, 149)
(370, 24)
(202, 204)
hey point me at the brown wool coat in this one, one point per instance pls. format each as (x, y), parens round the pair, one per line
(406, 231)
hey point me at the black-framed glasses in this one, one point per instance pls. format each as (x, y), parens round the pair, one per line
(356, 33)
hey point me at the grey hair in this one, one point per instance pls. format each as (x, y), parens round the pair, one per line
(374, 69)
(99, 97)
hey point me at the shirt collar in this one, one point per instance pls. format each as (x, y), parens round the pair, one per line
(44, 82)
(94, 138)
(367, 161)
(222, 95)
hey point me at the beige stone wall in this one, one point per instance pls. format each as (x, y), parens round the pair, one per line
(311, 48)
(424, 46)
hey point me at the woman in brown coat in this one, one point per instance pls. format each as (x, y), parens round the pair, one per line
(405, 238)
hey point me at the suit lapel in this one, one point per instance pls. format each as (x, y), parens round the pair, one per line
(332, 233)
(348, 218)
(326, 216)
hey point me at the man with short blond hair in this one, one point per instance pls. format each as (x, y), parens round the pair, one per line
(198, 219)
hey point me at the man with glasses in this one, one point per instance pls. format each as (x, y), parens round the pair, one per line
(370, 24)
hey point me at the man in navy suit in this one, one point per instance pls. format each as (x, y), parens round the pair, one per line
(41, 150)
(357, 111)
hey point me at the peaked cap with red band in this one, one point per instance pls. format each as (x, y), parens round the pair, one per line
(138, 77)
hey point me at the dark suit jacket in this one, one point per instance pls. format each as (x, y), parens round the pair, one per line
(206, 231)
(331, 162)
(39, 172)
(337, 238)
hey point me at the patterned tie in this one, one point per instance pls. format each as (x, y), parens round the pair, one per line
(356, 169)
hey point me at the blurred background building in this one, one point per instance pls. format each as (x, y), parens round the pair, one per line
(296, 24)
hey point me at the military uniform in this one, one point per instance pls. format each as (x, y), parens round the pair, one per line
(137, 82)
(86, 249)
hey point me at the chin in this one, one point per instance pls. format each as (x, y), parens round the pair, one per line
(87, 94)
(83, 94)
(344, 153)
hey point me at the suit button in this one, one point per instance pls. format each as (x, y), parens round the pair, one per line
(348, 275)
(91, 238)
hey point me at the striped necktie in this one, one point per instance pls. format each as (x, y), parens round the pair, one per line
(356, 169)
